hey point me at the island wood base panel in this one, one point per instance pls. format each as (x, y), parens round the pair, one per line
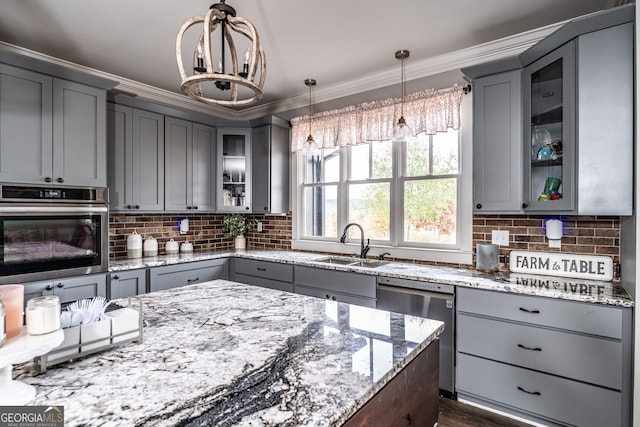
(411, 398)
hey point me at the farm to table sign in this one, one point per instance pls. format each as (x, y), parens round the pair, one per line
(590, 267)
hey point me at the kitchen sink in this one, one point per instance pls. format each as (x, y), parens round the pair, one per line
(356, 262)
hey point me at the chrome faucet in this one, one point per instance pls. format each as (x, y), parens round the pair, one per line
(363, 249)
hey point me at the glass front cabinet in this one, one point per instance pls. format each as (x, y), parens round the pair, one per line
(549, 140)
(234, 166)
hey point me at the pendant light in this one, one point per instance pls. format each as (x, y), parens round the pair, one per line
(210, 85)
(310, 147)
(402, 131)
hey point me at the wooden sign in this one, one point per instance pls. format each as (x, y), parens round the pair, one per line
(590, 267)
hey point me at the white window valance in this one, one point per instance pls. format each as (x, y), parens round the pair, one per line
(428, 111)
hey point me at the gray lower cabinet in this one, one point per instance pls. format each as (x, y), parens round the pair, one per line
(69, 289)
(262, 273)
(53, 130)
(173, 276)
(547, 360)
(342, 286)
(135, 159)
(124, 284)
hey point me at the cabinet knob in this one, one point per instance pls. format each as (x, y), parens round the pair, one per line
(247, 208)
(60, 285)
(525, 206)
(116, 277)
(60, 180)
(188, 207)
(479, 206)
(129, 207)
(195, 207)
(266, 208)
(47, 179)
(333, 297)
(327, 296)
(48, 287)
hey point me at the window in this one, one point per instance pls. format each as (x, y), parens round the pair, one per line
(413, 198)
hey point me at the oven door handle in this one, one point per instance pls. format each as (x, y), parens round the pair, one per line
(418, 292)
(72, 208)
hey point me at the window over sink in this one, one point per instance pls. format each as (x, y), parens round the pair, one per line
(412, 198)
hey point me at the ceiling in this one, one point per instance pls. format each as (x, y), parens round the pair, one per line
(347, 46)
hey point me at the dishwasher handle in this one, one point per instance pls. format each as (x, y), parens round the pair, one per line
(418, 292)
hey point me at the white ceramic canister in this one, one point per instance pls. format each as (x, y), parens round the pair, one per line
(43, 315)
(134, 245)
(186, 247)
(150, 247)
(171, 247)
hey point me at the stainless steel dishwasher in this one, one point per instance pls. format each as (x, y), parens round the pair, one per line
(431, 300)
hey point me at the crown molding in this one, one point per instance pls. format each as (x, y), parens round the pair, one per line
(490, 51)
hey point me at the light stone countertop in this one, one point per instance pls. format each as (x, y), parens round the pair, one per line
(224, 353)
(581, 290)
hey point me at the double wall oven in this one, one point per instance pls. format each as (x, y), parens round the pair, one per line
(52, 231)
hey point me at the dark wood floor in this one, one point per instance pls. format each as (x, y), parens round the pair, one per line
(455, 414)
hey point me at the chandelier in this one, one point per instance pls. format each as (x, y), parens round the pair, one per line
(210, 85)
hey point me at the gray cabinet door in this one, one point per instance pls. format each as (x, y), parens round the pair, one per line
(172, 276)
(119, 156)
(25, 126)
(127, 283)
(270, 169)
(203, 168)
(79, 134)
(178, 182)
(76, 288)
(148, 161)
(497, 143)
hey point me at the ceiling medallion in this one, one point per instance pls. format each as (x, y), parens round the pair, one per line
(210, 85)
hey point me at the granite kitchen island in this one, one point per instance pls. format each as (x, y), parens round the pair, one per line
(223, 353)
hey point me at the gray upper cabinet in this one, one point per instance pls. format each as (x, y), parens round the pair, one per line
(497, 147)
(79, 134)
(549, 139)
(270, 169)
(51, 130)
(190, 150)
(26, 138)
(233, 180)
(576, 125)
(135, 159)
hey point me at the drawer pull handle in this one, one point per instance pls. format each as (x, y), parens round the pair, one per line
(529, 348)
(530, 311)
(193, 280)
(535, 393)
(261, 269)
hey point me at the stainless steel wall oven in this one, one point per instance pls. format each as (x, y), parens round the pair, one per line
(52, 231)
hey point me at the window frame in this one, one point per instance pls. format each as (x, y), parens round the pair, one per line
(460, 253)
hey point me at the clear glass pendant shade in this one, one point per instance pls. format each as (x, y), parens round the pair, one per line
(401, 131)
(310, 147)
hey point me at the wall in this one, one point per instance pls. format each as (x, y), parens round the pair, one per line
(582, 234)
(205, 231)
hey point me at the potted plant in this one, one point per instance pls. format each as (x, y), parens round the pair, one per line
(235, 226)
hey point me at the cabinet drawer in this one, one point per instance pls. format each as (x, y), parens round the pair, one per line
(172, 276)
(335, 296)
(535, 393)
(336, 281)
(265, 283)
(268, 270)
(580, 357)
(574, 316)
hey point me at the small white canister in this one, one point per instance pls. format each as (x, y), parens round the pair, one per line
(150, 247)
(186, 248)
(134, 245)
(171, 247)
(43, 315)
